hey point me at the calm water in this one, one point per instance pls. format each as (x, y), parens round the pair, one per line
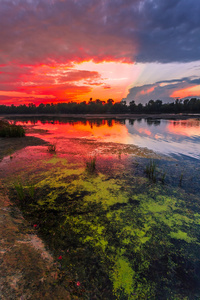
(164, 136)
(122, 234)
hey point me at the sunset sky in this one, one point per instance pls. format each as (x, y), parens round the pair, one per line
(71, 50)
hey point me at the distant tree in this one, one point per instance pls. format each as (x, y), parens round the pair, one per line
(132, 106)
(110, 101)
(140, 108)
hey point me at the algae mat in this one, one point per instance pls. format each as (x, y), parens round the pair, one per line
(116, 234)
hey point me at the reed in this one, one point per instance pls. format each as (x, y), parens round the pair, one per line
(20, 191)
(150, 170)
(163, 178)
(91, 165)
(51, 148)
(181, 180)
(11, 130)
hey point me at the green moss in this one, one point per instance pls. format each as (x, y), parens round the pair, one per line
(180, 235)
(123, 277)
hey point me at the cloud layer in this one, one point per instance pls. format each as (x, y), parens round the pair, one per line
(167, 90)
(133, 30)
(42, 41)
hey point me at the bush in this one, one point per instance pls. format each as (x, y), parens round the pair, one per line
(11, 130)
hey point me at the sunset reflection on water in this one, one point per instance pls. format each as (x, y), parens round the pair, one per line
(164, 136)
(188, 128)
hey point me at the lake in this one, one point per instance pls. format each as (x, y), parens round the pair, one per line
(118, 200)
(164, 136)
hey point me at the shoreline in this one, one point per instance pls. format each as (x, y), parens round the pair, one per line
(108, 116)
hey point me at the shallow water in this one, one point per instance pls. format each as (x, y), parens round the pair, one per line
(164, 136)
(123, 233)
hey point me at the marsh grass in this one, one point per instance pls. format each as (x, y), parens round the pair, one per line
(181, 180)
(163, 178)
(51, 148)
(91, 165)
(150, 170)
(11, 130)
(31, 189)
(20, 191)
(25, 192)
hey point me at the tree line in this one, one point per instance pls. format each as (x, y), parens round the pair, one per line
(104, 107)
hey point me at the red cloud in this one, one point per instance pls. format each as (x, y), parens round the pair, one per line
(31, 83)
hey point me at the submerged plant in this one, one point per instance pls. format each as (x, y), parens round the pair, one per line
(91, 165)
(150, 170)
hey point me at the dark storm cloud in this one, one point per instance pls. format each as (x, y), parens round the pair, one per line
(162, 90)
(50, 31)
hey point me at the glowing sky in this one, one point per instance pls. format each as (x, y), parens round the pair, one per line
(72, 50)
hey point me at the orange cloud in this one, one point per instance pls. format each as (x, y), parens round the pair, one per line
(148, 91)
(64, 82)
(187, 92)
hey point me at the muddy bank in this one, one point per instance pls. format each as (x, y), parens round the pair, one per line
(27, 270)
(9, 145)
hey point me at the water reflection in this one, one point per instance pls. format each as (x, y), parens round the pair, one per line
(165, 136)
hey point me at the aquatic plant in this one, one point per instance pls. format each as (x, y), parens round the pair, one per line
(31, 189)
(163, 178)
(118, 244)
(150, 170)
(20, 190)
(181, 179)
(51, 148)
(91, 165)
(11, 130)
(25, 193)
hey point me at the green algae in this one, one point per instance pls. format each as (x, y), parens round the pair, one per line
(118, 237)
(54, 160)
(123, 276)
(182, 236)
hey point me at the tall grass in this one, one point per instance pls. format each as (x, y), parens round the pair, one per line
(51, 148)
(91, 166)
(181, 180)
(11, 130)
(25, 193)
(163, 178)
(20, 191)
(150, 170)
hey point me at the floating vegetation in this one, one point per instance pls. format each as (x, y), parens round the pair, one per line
(117, 243)
(11, 130)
